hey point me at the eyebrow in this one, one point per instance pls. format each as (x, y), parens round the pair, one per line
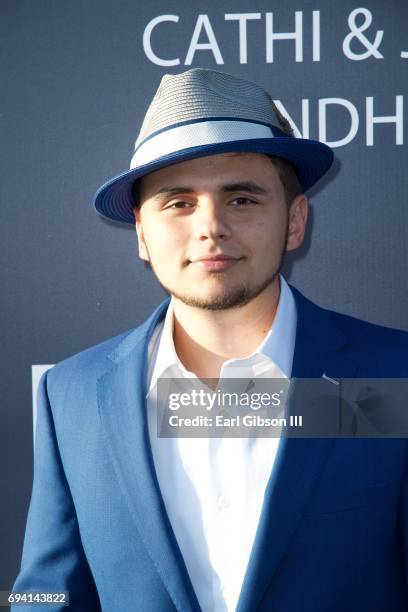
(248, 186)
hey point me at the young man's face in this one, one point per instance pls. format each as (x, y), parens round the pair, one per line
(215, 229)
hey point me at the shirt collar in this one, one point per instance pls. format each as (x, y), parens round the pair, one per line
(279, 343)
(277, 346)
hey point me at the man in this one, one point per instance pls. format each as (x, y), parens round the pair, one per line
(125, 520)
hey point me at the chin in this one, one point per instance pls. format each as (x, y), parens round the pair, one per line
(217, 301)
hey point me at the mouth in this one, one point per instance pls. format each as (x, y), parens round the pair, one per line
(215, 262)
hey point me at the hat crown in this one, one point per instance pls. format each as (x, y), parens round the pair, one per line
(199, 94)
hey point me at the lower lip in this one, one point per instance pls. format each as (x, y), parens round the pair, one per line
(216, 264)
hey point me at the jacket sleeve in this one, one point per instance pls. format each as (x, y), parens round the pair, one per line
(53, 558)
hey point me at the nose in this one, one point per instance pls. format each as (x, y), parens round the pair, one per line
(210, 220)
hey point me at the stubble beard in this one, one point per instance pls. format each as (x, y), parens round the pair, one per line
(233, 297)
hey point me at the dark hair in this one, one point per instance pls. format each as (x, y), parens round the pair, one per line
(135, 194)
(289, 178)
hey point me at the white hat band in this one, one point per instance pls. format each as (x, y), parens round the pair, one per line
(197, 134)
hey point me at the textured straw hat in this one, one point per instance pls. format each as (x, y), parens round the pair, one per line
(203, 112)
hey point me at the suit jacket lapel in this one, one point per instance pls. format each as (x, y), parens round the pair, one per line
(300, 461)
(122, 407)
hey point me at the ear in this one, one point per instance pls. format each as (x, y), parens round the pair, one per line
(297, 220)
(143, 253)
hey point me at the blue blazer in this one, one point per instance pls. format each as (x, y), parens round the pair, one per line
(333, 533)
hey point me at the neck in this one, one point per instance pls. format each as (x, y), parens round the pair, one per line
(205, 339)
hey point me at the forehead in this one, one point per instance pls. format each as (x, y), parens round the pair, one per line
(211, 172)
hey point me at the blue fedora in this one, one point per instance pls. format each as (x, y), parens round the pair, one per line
(204, 112)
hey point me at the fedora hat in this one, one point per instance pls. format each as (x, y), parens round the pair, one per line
(204, 112)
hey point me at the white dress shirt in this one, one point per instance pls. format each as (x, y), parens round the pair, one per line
(213, 488)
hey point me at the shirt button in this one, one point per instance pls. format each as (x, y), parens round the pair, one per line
(223, 502)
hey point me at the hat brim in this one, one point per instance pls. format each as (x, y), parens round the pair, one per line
(310, 158)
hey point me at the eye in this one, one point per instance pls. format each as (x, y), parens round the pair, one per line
(242, 202)
(178, 205)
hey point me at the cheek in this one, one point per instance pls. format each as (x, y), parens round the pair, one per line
(267, 231)
(162, 239)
